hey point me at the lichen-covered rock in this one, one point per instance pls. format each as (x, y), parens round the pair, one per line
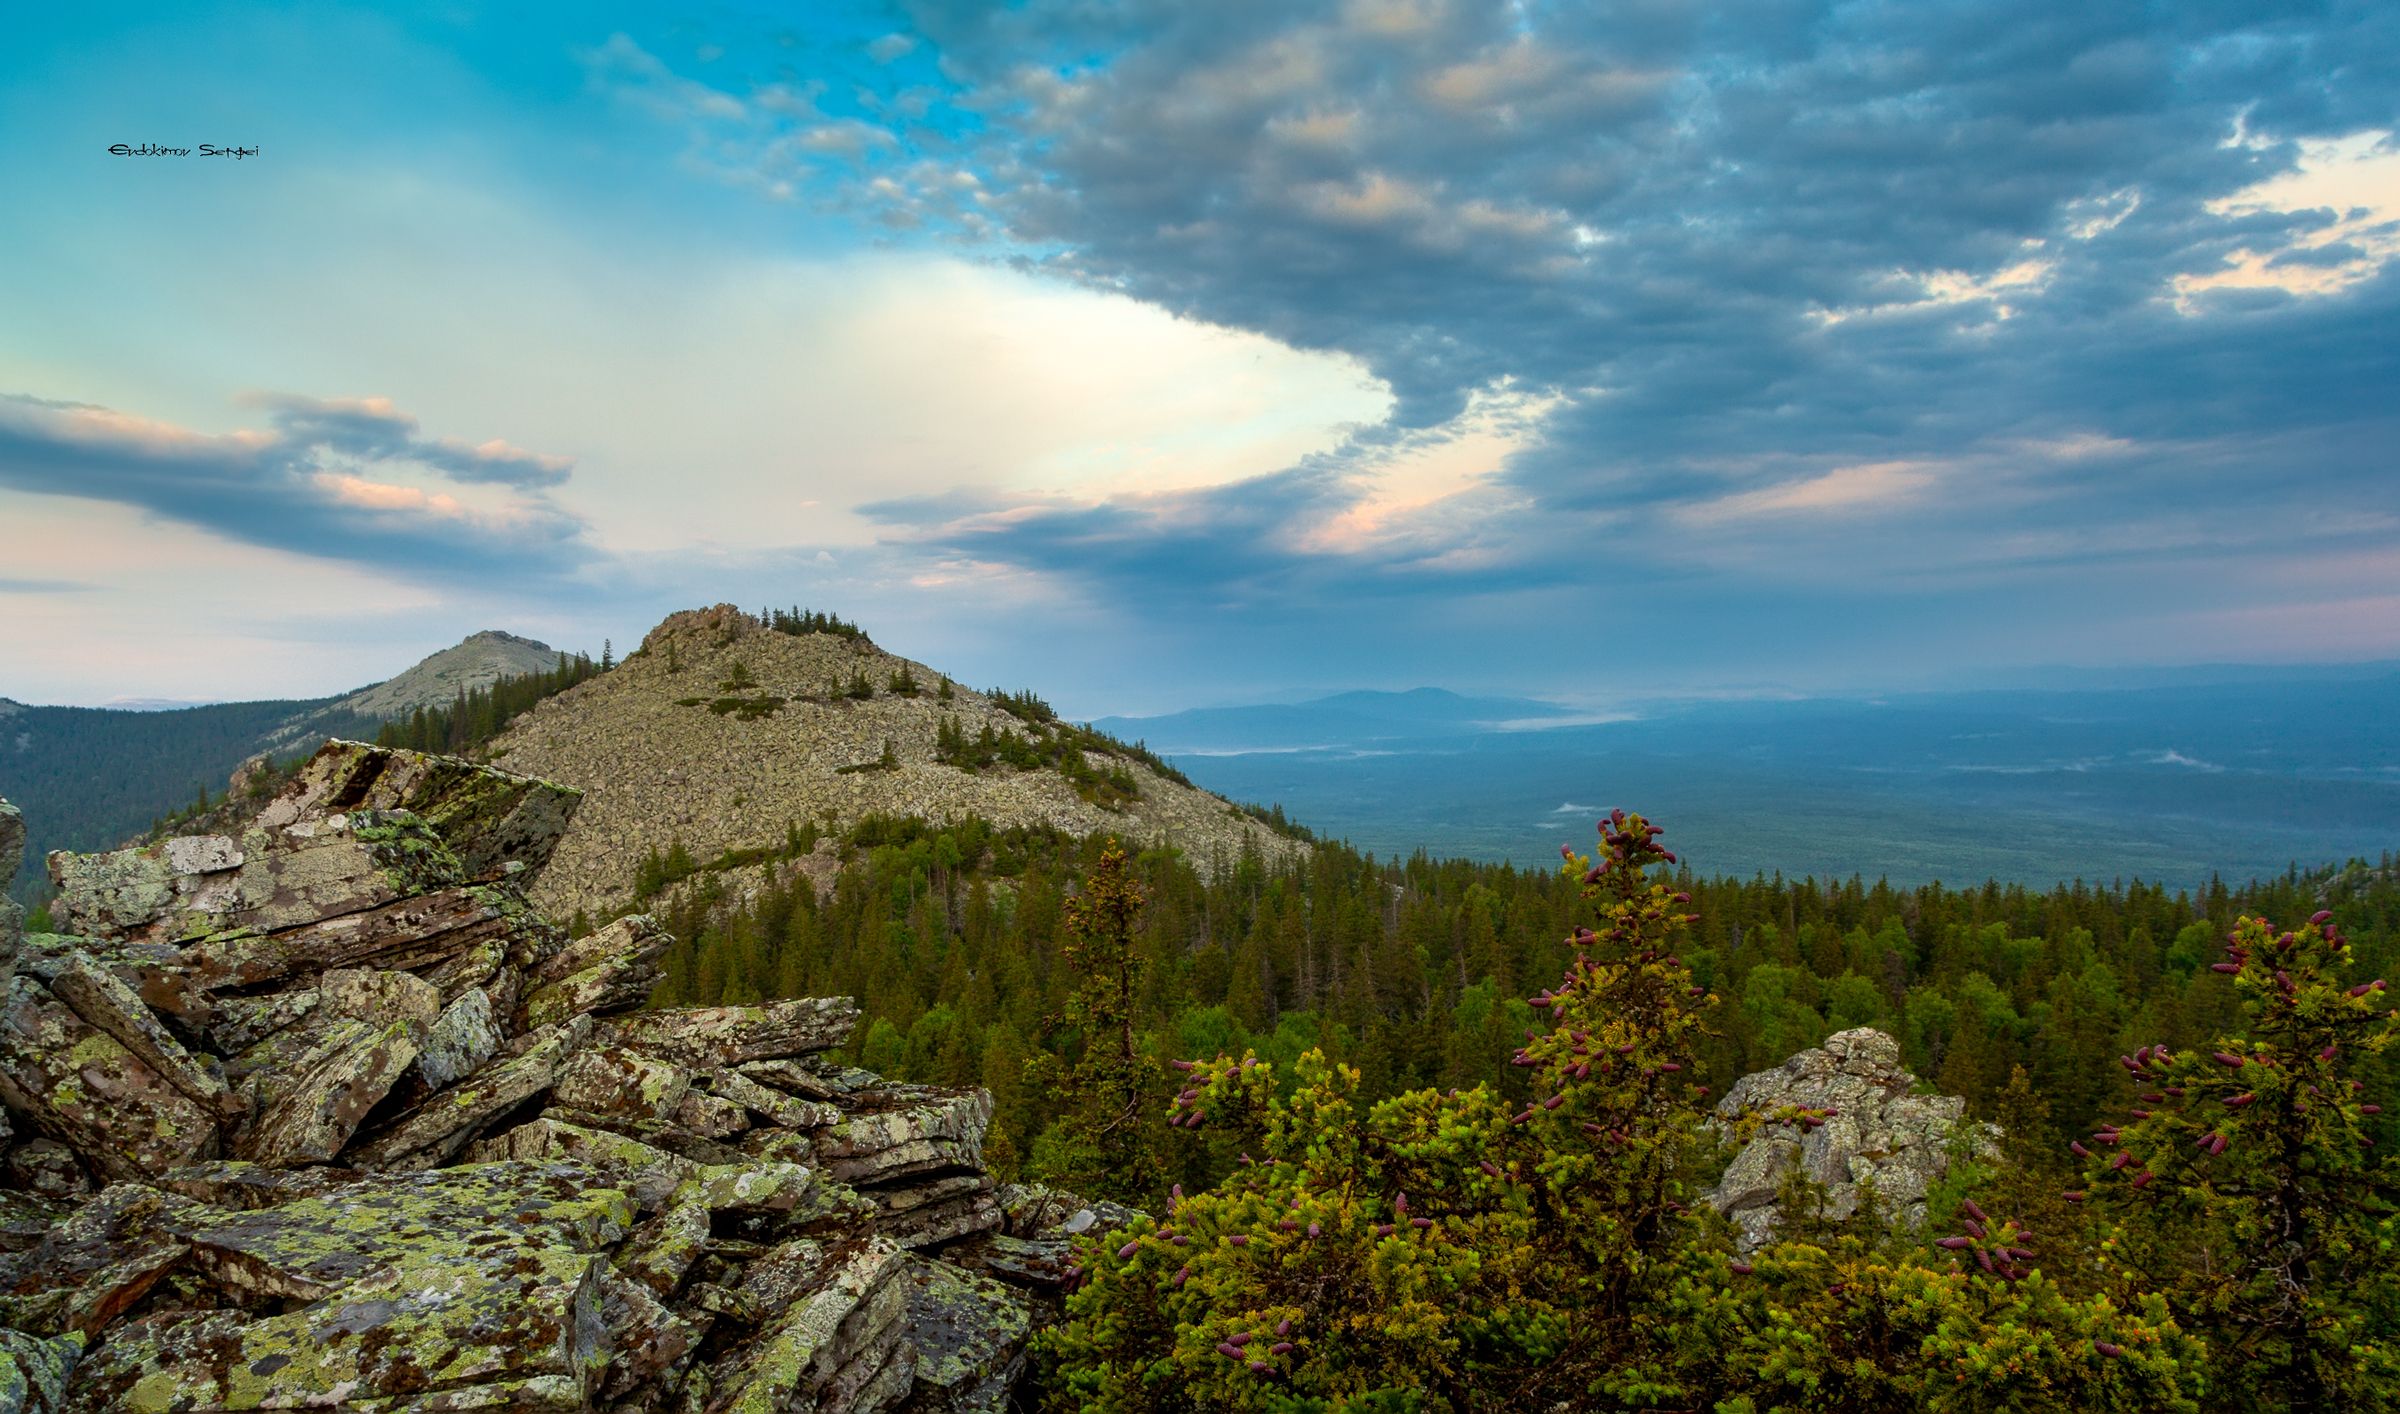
(316, 869)
(34, 1371)
(462, 1040)
(609, 970)
(968, 1333)
(902, 1130)
(650, 1175)
(827, 1351)
(96, 995)
(1880, 1132)
(307, 1111)
(94, 1266)
(489, 818)
(81, 1086)
(12, 918)
(467, 1178)
(729, 1035)
(447, 1121)
(414, 1284)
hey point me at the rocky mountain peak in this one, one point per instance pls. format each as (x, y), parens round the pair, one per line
(724, 733)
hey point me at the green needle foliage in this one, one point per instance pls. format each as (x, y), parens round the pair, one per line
(2246, 1187)
(1103, 1141)
(1455, 1251)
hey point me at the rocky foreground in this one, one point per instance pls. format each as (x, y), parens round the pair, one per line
(324, 1116)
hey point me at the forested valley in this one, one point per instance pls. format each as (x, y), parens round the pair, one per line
(1417, 971)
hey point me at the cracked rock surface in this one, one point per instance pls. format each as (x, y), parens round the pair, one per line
(325, 1116)
(1881, 1133)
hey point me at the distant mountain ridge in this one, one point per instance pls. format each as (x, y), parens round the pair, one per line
(88, 778)
(1352, 719)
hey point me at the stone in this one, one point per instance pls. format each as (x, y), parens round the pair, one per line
(661, 1252)
(1882, 1133)
(648, 1343)
(650, 1175)
(938, 1210)
(448, 1120)
(968, 1335)
(771, 1104)
(826, 1351)
(904, 1130)
(729, 1035)
(34, 1371)
(97, 996)
(94, 1266)
(625, 1083)
(47, 1168)
(636, 940)
(703, 1113)
(401, 934)
(462, 1040)
(307, 1110)
(487, 817)
(81, 1086)
(314, 870)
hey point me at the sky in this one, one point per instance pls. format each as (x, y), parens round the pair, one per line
(1158, 355)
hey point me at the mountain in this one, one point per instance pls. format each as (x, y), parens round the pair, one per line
(1352, 720)
(478, 661)
(2242, 776)
(91, 777)
(725, 735)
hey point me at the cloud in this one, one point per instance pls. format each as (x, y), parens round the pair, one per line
(1828, 267)
(371, 428)
(300, 487)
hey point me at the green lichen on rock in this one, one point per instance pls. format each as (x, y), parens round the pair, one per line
(34, 1371)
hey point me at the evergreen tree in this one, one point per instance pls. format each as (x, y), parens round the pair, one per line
(1097, 1074)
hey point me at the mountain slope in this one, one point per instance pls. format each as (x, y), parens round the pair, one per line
(90, 778)
(479, 661)
(720, 733)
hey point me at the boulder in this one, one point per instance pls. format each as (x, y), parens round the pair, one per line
(489, 818)
(75, 1083)
(729, 1035)
(1880, 1133)
(34, 1371)
(968, 1333)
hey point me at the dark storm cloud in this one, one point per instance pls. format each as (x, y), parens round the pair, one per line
(309, 487)
(1745, 246)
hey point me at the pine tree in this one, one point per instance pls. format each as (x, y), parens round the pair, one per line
(1102, 1143)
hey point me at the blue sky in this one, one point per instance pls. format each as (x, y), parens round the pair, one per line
(1168, 354)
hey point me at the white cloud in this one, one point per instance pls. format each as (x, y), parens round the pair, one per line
(2352, 183)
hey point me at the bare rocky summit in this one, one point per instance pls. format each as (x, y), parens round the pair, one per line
(477, 661)
(721, 732)
(322, 1115)
(1858, 1121)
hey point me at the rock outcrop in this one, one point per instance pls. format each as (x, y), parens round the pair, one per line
(1868, 1126)
(325, 1116)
